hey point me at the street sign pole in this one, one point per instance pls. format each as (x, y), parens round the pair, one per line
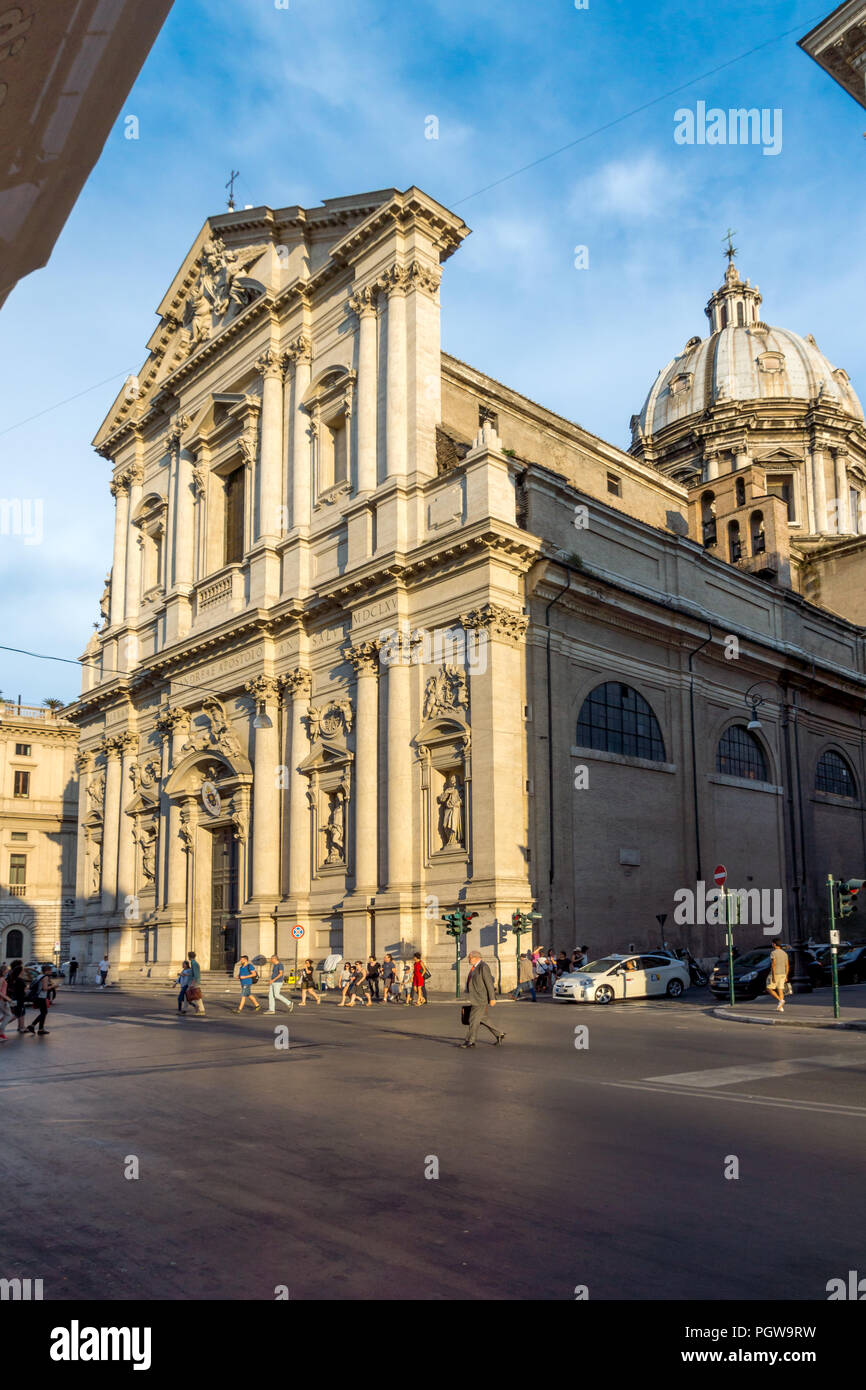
(730, 944)
(834, 943)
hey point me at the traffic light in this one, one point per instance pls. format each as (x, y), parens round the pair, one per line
(457, 922)
(848, 890)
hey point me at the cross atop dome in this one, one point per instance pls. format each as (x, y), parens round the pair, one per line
(735, 304)
(730, 249)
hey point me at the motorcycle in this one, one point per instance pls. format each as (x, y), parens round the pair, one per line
(697, 974)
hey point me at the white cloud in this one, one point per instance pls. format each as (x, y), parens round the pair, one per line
(634, 189)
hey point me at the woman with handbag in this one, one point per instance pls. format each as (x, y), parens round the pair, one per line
(420, 973)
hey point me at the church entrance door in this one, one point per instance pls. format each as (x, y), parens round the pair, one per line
(224, 901)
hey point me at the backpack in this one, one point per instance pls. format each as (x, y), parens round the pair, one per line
(33, 994)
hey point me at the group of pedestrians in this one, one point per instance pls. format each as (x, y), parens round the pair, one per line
(21, 990)
(388, 981)
(538, 970)
(189, 981)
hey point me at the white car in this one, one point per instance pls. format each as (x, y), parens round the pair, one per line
(623, 977)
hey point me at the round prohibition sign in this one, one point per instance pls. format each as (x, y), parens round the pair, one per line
(297, 932)
(210, 798)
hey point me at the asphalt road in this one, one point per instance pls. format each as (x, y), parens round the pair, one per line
(558, 1166)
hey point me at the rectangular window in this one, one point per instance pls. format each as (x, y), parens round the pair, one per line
(855, 518)
(22, 750)
(614, 485)
(19, 835)
(341, 462)
(783, 486)
(22, 783)
(234, 528)
(17, 870)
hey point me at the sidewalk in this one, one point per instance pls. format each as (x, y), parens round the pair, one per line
(813, 1010)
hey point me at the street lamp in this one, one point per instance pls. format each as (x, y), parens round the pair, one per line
(800, 982)
(262, 720)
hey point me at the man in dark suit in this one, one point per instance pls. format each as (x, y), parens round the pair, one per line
(479, 987)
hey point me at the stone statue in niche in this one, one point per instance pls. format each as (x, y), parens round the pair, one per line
(147, 845)
(451, 813)
(95, 869)
(335, 829)
(96, 793)
(105, 601)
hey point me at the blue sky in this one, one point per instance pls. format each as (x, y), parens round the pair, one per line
(325, 99)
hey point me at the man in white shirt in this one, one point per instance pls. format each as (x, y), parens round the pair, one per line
(103, 971)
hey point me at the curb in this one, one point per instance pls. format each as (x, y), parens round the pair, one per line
(854, 1026)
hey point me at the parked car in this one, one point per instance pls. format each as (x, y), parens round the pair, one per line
(623, 977)
(751, 971)
(850, 965)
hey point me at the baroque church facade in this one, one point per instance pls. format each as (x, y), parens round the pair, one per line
(383, 637)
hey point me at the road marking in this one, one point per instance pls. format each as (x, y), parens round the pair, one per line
(758, 1071)
(819, 1107)
(142, 1018)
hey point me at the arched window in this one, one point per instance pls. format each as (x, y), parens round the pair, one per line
(724, 316)
(14, 944)
(759, 539)
(834, 775)
(740, 489)
(708, 517)
(741, 315)
(615, 719)
(739, 754)
(735, 545)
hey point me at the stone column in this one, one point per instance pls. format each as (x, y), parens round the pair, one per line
(184, 529)
(396, 386)
(363, 303)
(300, 353)
(120, 491)
(174, 727)
(271, 365)
(133, 550)
(712, 462)
(423, 364)
(399, 788)
(809, 481)
(299, 684)
(84, 763)
(820, 489)
(741, 457)
(840, 470)
(266, 806)
(111, 823)
(498, 793)
(128, 745)
(365, 659)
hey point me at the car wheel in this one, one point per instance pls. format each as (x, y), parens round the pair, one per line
(675, 989)
(604, 995)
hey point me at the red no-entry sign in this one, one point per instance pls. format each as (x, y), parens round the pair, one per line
(720, 875)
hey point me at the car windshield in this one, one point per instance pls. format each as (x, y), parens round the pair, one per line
(750, 958)
(598, 967)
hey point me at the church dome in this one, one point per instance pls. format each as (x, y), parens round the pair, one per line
(743, 360)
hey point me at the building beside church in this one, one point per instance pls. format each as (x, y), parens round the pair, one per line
(382, 636)
(38, 826)
(838, 45)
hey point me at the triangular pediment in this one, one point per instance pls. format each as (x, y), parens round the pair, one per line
(324, 755)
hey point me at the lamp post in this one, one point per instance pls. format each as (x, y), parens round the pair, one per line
(800, 981)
